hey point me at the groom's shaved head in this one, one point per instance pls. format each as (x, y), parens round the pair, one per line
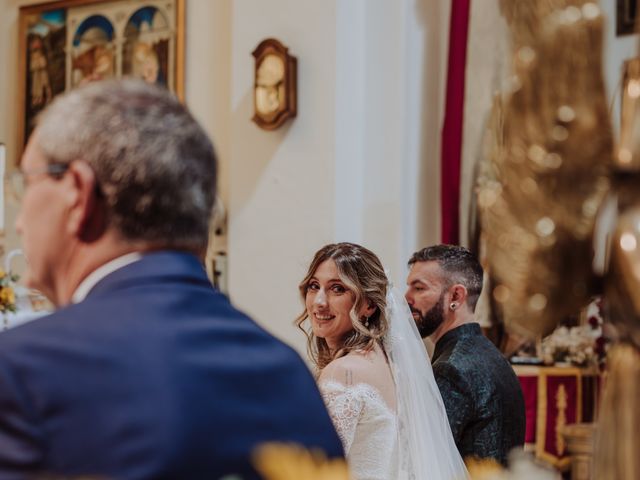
(458, 265)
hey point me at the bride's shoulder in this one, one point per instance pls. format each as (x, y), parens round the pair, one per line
(348, 369)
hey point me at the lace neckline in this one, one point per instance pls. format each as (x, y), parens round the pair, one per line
(360, 388)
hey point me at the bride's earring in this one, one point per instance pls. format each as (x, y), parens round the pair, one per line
(453, 305)
(366, 322)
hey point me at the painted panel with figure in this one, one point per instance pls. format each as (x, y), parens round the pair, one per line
(94, 52)
(44, 71)
(146, 48)
(65, 44)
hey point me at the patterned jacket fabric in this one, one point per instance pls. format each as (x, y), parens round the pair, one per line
(481, 393)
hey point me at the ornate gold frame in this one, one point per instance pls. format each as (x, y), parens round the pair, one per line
(29, 10)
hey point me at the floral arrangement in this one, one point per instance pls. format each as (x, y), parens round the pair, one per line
(7, 291)
(583, 345)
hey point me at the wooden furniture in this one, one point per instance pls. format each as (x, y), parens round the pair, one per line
(579, 439)
(555, 397)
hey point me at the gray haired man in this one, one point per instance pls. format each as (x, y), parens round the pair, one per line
(145, 371)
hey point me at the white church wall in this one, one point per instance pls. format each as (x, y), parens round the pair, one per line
(358, 162)
(208, 86)
(280, 182)
(405, 66)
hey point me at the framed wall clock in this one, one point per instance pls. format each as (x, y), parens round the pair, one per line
(275, 85)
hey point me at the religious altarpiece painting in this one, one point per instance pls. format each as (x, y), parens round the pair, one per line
(69, 43)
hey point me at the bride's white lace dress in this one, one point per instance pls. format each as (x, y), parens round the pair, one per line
(388, 410)
(360, 397)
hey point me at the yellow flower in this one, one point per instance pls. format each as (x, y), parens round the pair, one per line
(7, 296)
(2, 273)
(485, 469)
(276, 461)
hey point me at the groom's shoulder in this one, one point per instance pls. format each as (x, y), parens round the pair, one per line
(460, 360)
(470, 359)
(470, 346)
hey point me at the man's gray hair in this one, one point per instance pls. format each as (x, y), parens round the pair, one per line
(154, 164)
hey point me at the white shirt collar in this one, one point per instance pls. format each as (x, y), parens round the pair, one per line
(99, 273)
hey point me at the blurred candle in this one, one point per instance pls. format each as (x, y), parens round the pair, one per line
(2, 168)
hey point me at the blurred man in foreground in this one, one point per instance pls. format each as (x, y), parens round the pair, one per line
(145, 371)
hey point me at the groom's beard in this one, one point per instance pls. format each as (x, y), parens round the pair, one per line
(430, 321)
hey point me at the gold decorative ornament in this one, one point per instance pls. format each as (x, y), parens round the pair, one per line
(275, 85)
(562, 402)
(623, 273)
(627, 156)
(579, 439)
(619, 418)
(547, 168)
(616, 448)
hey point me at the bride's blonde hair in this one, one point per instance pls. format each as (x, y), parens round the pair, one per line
(362, 273)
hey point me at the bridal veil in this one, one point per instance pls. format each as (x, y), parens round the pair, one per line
(426, 447)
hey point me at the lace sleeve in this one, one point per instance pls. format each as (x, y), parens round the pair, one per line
(345, 407)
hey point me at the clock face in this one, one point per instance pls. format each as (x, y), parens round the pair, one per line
(275, 85)
(270, 94)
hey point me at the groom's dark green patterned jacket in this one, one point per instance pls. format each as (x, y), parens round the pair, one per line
(481, 393)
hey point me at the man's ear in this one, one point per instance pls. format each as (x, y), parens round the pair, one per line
(458, 294)
(87, 219)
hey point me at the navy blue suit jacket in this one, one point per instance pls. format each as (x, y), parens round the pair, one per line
(154, 376)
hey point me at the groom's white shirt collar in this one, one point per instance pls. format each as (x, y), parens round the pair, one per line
(99, 273)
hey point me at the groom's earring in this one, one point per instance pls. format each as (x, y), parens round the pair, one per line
(453, 305)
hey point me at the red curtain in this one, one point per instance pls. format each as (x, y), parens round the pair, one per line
(452, 128)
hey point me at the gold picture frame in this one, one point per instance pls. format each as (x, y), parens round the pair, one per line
(67, 43)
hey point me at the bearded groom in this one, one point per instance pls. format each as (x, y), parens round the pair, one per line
(480, 390)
